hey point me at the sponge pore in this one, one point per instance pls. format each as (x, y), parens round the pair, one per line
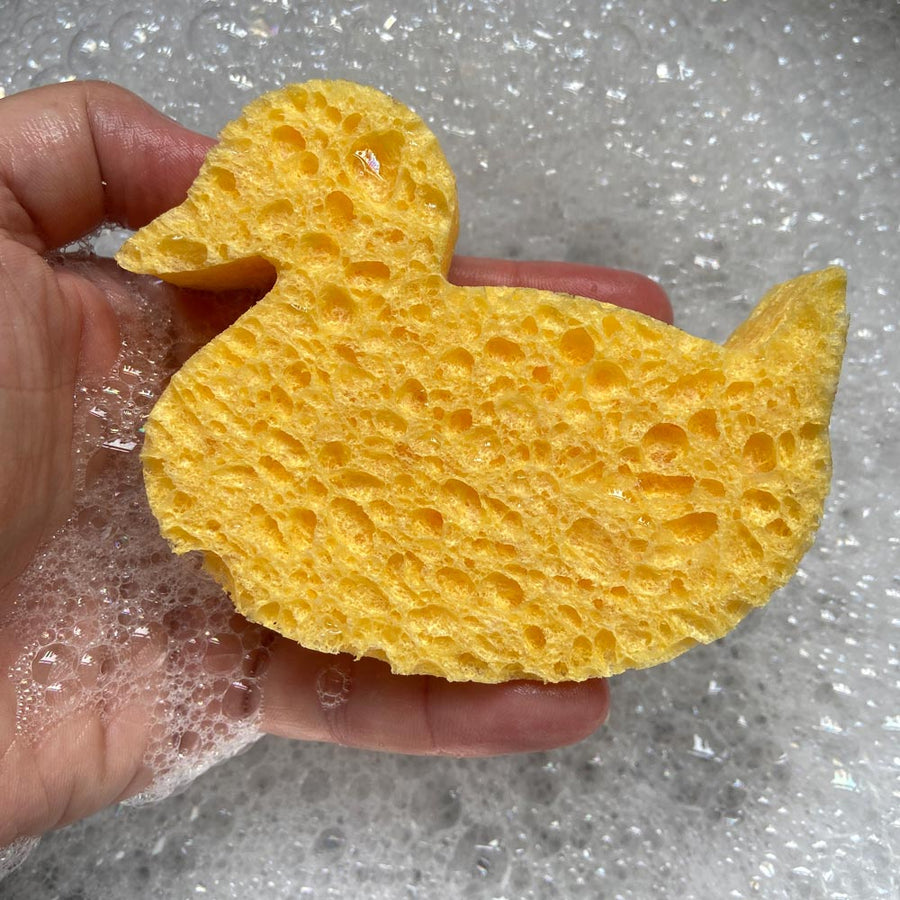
(478, 483)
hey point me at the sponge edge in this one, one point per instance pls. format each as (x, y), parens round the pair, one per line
(477, 483)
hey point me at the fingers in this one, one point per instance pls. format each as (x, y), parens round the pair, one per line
(617, 286)
(360, 703)
(75, 155)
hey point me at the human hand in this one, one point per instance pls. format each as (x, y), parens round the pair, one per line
(72, 157)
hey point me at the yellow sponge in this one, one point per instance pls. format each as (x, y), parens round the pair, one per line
(478, 483)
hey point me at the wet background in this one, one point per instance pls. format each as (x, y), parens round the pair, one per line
(718, 147)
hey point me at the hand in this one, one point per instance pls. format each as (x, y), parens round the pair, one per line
(74, 156)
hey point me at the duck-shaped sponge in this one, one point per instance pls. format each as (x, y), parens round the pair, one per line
(477, 483)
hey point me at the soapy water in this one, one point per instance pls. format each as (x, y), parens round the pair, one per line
(108, 616)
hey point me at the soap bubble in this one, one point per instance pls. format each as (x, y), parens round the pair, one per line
(14, 854)
(333, 687)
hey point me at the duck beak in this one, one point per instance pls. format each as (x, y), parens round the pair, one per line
(185, 252)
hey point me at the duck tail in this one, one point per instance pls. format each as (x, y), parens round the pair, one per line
(799, 331)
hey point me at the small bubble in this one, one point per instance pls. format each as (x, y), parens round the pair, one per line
(241, 700)
(107, 666)
(256, 662)
(58, 693)
(188, 743)
(330, 841)
(148, 646)
(223, 652)
(52, 664)
(333, 687)
(182, 623)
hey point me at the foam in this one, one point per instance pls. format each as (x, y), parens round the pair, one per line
(109, 617)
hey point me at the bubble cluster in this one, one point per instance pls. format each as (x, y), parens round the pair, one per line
(108, 617)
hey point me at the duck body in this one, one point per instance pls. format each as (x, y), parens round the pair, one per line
(477, 483)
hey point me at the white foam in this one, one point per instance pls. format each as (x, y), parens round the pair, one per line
(108, 616)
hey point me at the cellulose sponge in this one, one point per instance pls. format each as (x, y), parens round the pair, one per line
(478, 483)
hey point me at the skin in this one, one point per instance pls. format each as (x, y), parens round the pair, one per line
(73, 156)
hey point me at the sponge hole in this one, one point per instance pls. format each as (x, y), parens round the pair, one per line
(278, 209)
(319, 245)
(267, 525)
(223, 179)
(577, 346)
(282, 399)
(432, 198)
(358, 484)
(787, 444)
(350, 522)
(334, 454)
(303, 523)
(502, 591)
(664, 443)
(458, 362)
(779, 527)
(412, 395)
(289, 137)
(697, 385)
(606, 644)
(605, 376)
(711, 486)
(337, 304)
(297, 375)
(455, 583)
(460, 497)
(694, 528)
(472, 664)
(677, 485)
(739, 390)
(340, 209)
(705, 423)
(390, 423)
(759, 453)
(375, 158)
(535, 637)
(182, 502)
(504, 350)
(190, 254)
(275, 469)
(351, 122)
(429, 521)
(759, 503)
(810, 431)
(369, 270)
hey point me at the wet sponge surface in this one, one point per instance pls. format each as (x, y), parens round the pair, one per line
(477, 483)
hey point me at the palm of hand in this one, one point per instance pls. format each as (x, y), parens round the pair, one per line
(71, 157)
(91, 650)
(42, 314)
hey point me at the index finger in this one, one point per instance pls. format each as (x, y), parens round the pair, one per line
(618, 286)
(76, 155)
